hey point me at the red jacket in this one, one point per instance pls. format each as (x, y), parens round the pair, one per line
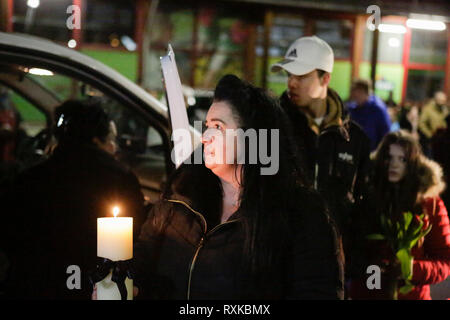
(431, 258)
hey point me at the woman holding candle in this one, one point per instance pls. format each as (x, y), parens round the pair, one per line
(224, 230)
(404, 180)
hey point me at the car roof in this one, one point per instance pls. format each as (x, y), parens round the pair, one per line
(40, 45)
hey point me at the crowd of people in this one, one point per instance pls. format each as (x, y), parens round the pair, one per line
(223, 230)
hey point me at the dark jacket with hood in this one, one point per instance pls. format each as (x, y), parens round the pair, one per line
(184, 252)
(431, 254)
(336, 158)
(51, 220)
(441, 153)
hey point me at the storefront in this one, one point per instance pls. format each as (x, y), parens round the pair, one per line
(211, 39)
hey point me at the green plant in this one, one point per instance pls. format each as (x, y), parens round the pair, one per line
(402, 235)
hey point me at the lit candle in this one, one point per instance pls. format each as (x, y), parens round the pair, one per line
(114, 242)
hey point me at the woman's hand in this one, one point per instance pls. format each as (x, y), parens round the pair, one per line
(94, 292)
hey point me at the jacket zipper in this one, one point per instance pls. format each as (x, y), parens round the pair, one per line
(316, 163)
(191, 268)
(200, 244)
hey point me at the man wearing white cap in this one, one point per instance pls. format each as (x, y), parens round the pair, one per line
(335, 150)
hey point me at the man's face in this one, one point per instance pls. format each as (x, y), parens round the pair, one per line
(440, 98)
(305, 88)
(358, 95)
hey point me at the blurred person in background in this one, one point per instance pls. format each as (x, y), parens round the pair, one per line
(52, 208)
(440, 144)
(409, 118)
(394, 112)
(11, 137)
(9, 123)
(432, 117)
(369, 111)
(333, 148)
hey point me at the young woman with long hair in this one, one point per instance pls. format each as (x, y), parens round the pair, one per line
(404, 180)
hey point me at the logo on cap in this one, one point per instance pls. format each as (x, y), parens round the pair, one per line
(293, 53)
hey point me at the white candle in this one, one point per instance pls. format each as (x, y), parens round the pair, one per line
(115, 237)
(114, 242)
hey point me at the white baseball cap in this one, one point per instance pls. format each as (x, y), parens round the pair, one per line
(305, 55)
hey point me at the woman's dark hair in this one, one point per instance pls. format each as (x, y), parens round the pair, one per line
(397, 198)
(268, 202)
(79, 121)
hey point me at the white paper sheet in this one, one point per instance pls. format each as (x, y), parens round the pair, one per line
(177, 109)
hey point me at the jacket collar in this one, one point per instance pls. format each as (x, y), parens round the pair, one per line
(335, 119)
(195, 187)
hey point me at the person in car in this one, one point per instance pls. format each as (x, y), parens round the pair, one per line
(224, 230)
(51, 220)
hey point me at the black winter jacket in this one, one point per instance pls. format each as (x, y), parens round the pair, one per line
(185, 253)
(336, 159)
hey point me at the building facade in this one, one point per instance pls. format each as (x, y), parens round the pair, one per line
(212, 38)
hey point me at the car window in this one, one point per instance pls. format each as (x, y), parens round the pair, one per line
(31, 119)
(140, 144)
(61, 86)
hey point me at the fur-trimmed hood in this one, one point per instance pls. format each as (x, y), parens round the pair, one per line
(430, 178)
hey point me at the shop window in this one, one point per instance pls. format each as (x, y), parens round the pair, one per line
(48, 20)
(221, 46)
(422, 84)
(428, 54)
(174, 26)
(209, 42)
(428, 47)
(390, 46)
(338, 34)
(108, 22)
(285, 30)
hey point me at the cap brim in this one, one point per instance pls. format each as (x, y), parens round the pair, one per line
(292, 66)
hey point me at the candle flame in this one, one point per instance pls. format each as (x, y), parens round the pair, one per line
(116, 211)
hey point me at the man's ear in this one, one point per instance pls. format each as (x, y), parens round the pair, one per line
(326, 78)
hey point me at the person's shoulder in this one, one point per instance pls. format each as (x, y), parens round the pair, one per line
(351, 106)
(37, 171)
(377, 104)
(356, 131)
(428, 106)
(106, 161)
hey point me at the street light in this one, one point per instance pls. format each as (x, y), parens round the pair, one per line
(33, 3)
(426, 24)
(392, 28)
(32, 6)
(72, 43)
